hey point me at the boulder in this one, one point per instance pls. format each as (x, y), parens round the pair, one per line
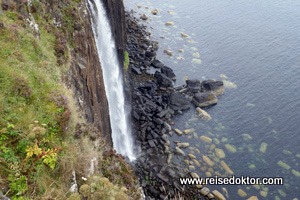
(150, 54)
(144, 17)
(168, 52)
(203, 114)
(163, 80)
(154, 12)
(169, 23)
(193, 85)
(218, 195)
(168, 72)
(204, 99)
(179, 102)
(157, 64)
(213, 86)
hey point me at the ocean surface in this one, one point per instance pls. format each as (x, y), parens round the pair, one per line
(254, 46)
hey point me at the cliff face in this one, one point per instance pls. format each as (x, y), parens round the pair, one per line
(116, 14)
(87, 77)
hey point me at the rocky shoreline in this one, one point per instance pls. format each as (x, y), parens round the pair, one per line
(155, 101)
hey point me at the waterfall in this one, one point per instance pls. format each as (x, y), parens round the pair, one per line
(113, 79)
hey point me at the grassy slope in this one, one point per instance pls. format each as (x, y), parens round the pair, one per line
(38, 119)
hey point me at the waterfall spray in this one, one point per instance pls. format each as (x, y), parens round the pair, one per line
(113, 80)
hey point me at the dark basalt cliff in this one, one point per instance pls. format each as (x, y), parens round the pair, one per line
(116, 14)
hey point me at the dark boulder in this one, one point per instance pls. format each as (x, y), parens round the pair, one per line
(179, 102)
(157, 64)
(204, 99)
(193, 85)
(163, 80)
(213, 86)
(150, 54)
(168, 72)
(136, 70)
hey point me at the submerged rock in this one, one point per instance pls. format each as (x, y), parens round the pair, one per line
(230, 148)
(144, 17)
(196, 61)
(184, 35)
(169, 23)
(218, 195)
(168, 52)
(187, 131)
(283, 165)
(203, 114)
(220, 153)
(213, 86)
(208, 161)
(204, 99)
(206, 139)
(226, 168)
(263, 147)
(154, 12)
(242, 193)
(179, 151)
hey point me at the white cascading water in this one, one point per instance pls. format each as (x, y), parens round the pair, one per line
(113, 79)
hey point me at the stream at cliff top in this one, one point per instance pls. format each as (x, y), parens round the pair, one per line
(254, 46)
(113, 80)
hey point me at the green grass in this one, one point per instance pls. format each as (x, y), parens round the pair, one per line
(38, 117)
(126, 61)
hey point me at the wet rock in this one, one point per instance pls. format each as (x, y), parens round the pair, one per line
(184, 35)
(169, 23)
(179, 102)
(206, 139)
(218, 195)
(230, 148)
(220, 153)
(195, 175)
(169, 159)
(168, 52)
(179, 132)
(163, 80)
(168, 72)
(154, 12)
(203, 114)
(157, 64)
(150, 54)
(296, 173)
(167, 126)
(283, 165)
(226, 168)
(253, 198)
(242, 193)
(183, 145)
(213, 86)
(204, 191)
(179, 151)
(263, 147)
(187, 131)
(193, 85)
(163, 177)
(192, 156)
(208, 161)
(204, 99)
(151, 143)
(136, 70)
(144, 17)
